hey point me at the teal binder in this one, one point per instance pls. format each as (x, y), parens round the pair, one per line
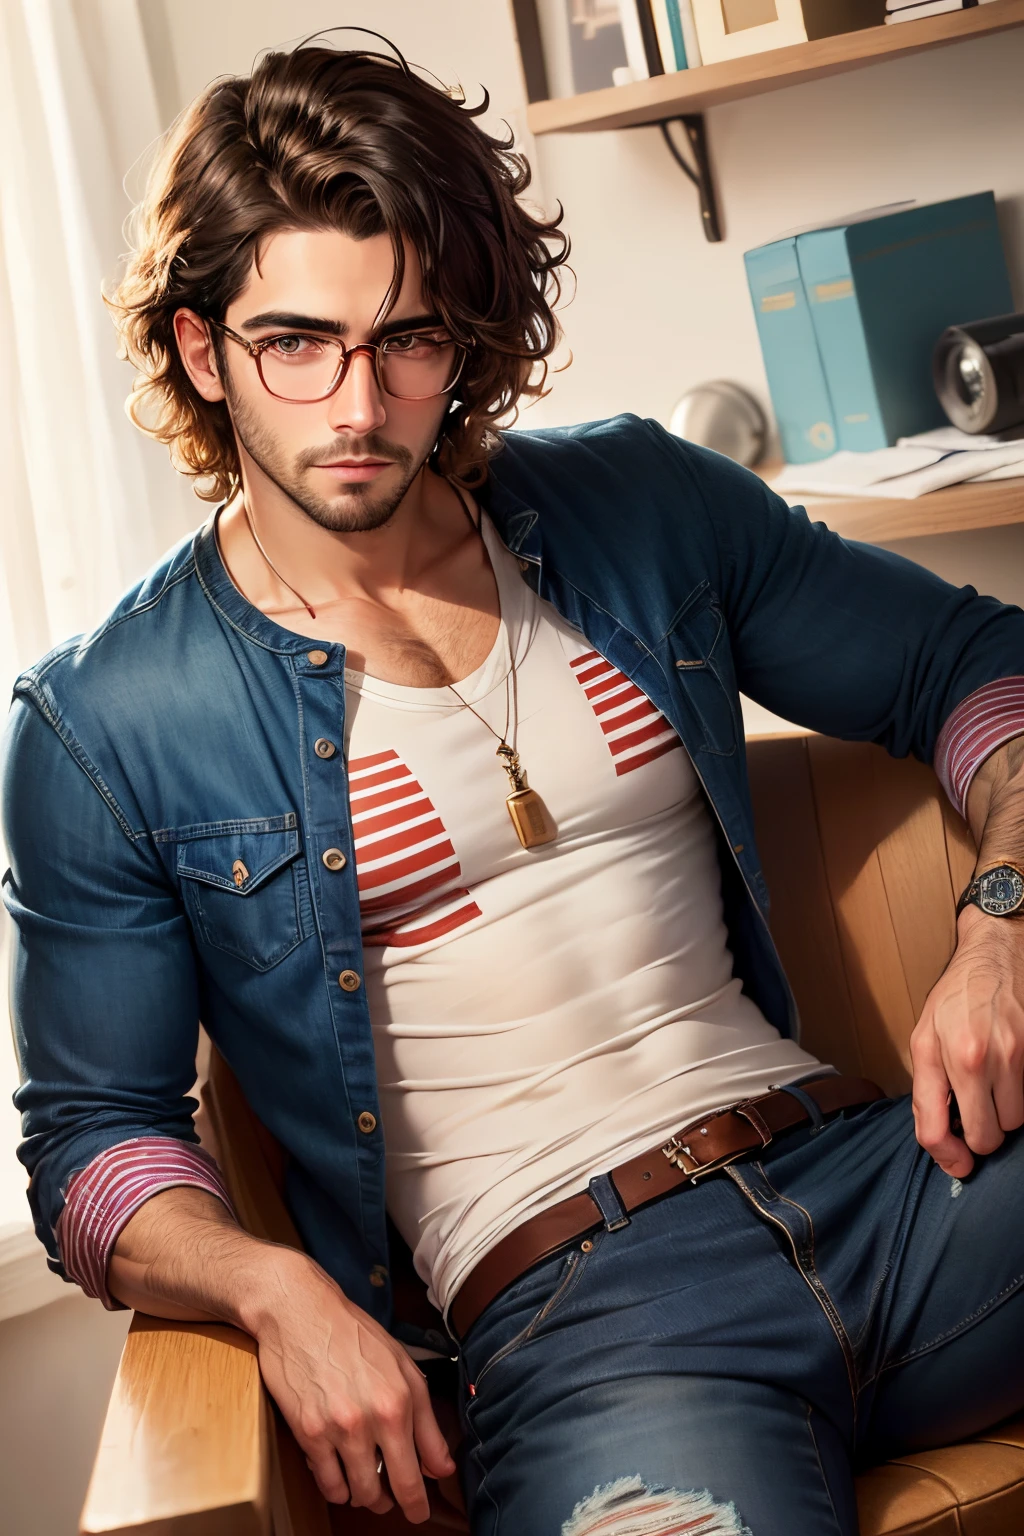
(796, 378)
(879, 290)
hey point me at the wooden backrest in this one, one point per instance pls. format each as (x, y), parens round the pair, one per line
(864, 859)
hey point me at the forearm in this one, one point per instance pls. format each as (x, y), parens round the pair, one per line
(183, 1256)
(995, 806)
(349, 1392)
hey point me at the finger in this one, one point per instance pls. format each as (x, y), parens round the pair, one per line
(970, 1076)
(1009, 1099)
(394, 1429)
(368, 1492)
(322, 1461)
(931, 1105)
(431, 1444)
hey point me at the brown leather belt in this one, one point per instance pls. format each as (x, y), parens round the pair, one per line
(698, 1149)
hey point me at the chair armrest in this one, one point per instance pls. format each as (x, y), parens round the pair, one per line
(186, 1446)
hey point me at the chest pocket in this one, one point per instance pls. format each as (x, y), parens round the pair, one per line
(699, 647)
(241, 884)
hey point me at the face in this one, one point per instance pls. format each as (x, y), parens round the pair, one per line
(346, 461)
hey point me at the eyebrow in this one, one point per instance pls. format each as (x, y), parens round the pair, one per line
(285, 320)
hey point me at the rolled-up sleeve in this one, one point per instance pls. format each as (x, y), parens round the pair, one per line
(979, 725)
(104, 1003)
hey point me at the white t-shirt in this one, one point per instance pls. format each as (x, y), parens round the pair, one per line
(539, 1015)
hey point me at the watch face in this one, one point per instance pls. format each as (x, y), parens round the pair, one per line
(1000, 891)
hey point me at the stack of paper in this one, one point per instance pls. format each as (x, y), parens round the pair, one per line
(915, 466)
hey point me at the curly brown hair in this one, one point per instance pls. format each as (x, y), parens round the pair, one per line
(352, 140)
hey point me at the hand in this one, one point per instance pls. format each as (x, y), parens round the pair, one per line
(970, 1040)
(345, 1388)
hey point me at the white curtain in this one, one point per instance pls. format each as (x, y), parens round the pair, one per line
(86, 503)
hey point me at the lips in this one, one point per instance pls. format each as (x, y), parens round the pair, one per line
(353, 470)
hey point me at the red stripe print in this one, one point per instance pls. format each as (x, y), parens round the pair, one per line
(424, 933)
(387, 776)
(440, 857)
(390, 796)
(636, 732)
(411, 885)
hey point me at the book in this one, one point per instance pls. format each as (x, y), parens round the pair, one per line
(928, 8)
(661, 11)
(688, 27)
(633, 39)
(649, 35)
(796, 379)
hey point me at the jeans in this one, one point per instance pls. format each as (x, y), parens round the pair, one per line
(724, 1364)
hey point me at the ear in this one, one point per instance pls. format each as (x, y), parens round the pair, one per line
(195, 345)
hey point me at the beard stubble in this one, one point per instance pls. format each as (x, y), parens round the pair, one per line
(363, 508)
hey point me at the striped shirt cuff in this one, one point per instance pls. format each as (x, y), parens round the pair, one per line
(987, 719)
(102, 1198)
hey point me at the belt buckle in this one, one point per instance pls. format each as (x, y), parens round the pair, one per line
(675, 1151)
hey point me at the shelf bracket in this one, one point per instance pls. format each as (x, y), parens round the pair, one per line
(700, 172)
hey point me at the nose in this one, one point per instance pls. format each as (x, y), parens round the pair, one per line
(357, 405)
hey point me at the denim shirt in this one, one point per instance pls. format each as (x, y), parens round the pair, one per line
(166, 812)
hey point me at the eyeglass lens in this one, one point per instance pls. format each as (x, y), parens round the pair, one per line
(410, 367)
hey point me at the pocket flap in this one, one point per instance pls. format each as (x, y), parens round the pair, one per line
(239, 856)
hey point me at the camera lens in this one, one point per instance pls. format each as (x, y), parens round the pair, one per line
(978, 370)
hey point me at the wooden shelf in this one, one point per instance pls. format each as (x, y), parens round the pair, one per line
(959, 509)
(694, 90)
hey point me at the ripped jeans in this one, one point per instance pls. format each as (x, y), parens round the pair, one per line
(724, 1363)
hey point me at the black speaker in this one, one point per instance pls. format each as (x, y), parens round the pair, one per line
(978, 371)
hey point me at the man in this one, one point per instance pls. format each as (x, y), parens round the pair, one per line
(267, 793)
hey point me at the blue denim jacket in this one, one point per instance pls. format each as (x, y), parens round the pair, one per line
(144, 760)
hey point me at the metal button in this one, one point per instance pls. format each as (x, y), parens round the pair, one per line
(737, 847)
(324, 748)
(367, 1122)
(239, 873)
(586, 1246)
(316, 657)
(335, 859)
(378, 1276)
(349, 981)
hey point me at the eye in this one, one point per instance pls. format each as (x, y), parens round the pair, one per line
(294, 346)
(415, 344)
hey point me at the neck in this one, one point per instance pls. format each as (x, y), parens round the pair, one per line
(294, 561)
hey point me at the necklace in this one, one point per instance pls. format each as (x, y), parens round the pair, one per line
(530, 817)
(273, 567)
(533, 823)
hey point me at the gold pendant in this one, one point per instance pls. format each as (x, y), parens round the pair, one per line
(530, 816)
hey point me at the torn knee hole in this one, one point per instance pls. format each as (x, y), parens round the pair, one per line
(631, 1507)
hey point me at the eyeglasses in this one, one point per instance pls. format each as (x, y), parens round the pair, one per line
(302, 368)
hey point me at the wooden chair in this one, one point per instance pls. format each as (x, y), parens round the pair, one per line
(863, 857)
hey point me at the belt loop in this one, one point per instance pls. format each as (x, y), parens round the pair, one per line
(608, 1201)
(813, 1109)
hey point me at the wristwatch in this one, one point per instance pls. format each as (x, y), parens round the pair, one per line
(999, 891)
